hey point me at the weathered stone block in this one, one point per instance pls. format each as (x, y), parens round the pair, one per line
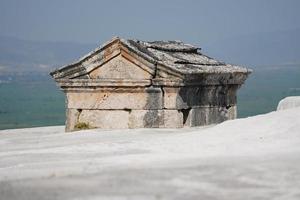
(202, 116)
(155, 119)
(146, 118)
(120, 68)
(190, 97)
(71, 119)
(173, 119)
(148, 98)
(172, 100)
(106, 119)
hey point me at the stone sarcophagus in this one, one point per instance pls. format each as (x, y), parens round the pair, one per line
(138, 84)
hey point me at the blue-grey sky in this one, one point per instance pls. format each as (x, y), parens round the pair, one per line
(94, 21)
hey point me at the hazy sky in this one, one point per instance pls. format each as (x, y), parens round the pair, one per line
(94, 21)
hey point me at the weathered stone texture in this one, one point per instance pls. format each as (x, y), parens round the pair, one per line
(173, 119)
(106, 119)
(123, 119)
(138, 84)
(156, 119)
(71, 118)
(195, 96)
(202, 116)
(143, 98)
(119, 68)
(146, 118)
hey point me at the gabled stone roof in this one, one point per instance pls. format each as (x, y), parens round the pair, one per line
(175, 55)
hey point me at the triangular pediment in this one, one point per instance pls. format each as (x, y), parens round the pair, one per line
(117, 59)
(121, 67)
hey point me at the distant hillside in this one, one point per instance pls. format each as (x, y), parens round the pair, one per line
(253, 50)
(259, 50)
(18, 55)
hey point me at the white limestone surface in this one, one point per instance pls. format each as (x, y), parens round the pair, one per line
(289, 102)
(250, 158)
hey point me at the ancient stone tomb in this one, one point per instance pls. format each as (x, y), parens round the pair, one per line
(138, 84)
